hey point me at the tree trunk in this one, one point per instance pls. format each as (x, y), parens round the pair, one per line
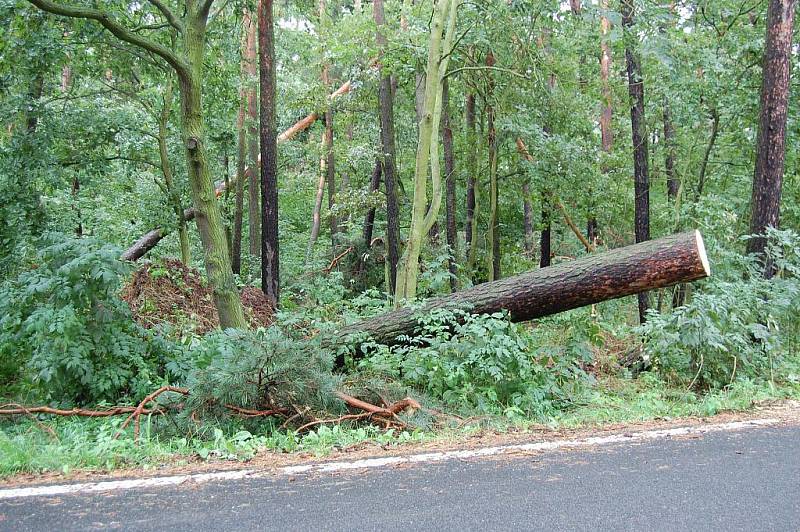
(330, 177)
(369, 218)
(568, 285)
(166, 168)
(471, 223)
(386, 103)
(439, 48)
(330, 168)
(450, 186)
(606, 132)
(316, 215)
(701, 182)
(270, 257)
(544, 238)
(238, 214)
(253, 173)
(527, 218)
(639, 136)
(207, 213)
(493, 233)
(771, 143)
(606, 115)
(673, 183)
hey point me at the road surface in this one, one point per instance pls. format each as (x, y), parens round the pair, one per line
(746, 479)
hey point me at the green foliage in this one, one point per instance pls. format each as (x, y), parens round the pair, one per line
(484, 362)
(63, 322)
(741, 325)
(263, 369)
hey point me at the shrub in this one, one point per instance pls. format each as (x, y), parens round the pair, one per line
(482, 361)
(741, 325)
(63, 322)
(261, 369)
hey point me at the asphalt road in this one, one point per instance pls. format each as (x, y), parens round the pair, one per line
(743, 480)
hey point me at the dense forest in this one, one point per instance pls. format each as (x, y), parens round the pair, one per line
(278, 216)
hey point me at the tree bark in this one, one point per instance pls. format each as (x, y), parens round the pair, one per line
(207, 212)
(316, 215)
(422, 218)
(450, 186)
(527, 218)
(330, 177)
(386, 103)
(701, 182)
(673, 183)
(771, 142)
(173, 198)
(270, 256)
(493, 230)
(544, 238)
(369, 218)
(639, 137)
(253, 172)
(471, 223)
(241, 164)
(568, 285)
(330, 168)
(606, 115)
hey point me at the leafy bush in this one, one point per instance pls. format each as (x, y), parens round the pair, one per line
(741, 325)
(482, 361)
(63, 322)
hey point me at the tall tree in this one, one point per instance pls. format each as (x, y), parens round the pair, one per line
(387, 158)
(189, 67)
(427, 161)
(606, 114)
(253, 173)
(327, 145)
(270, 256)
(472, 205)
(771, 141)
(493, 230)
(641, 177)
(450, 186)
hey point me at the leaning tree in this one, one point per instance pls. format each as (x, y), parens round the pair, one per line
(191, 23)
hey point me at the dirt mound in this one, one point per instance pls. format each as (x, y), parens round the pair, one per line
(169, 292)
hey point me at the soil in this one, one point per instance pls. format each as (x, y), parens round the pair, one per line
(169, 292)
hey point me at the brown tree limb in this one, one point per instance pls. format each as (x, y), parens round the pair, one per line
(118, 30)
(81, 412)
(140, 409)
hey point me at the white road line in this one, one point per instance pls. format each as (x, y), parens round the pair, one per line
(373, 463)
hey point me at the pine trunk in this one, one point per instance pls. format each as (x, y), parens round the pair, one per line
(386, 103)
(771, 142)
(639, 137)
(253, 172)
(450, 186)
(592, 279)
(270, 256)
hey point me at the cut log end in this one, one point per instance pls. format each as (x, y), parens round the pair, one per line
(701, 252)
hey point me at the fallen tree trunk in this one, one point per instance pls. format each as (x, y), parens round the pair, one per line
(599, 277)
(151, 239)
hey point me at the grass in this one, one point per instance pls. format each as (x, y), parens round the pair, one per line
(89, 444)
